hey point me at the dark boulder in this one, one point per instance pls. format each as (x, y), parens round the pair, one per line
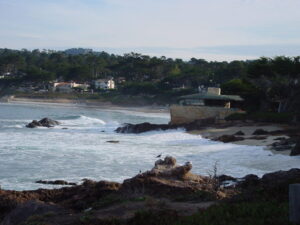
(282, 145)
(143, 127)
(224, 177)
(33, 124)
(45, 122)
(249, 180)
(296, 149)
(281, 177)
(55, 182)
(113, 142)
(228, 138)
(260, 132)
(239, 133)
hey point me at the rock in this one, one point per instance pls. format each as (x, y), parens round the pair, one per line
(284, 144)
(30, 208)
(45, 122)
(145, 127)
(224, 177)
(258, 137)
(166, 178)
(239, 133)
(228, 138)
(142, 127)
(114, 142)
(281, 177)
(33, 124)
(56, 182)
(260, 132)
(296, 149)
(249, 180)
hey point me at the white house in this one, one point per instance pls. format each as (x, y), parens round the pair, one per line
(104, 84)
(64, 87)
(67, 87)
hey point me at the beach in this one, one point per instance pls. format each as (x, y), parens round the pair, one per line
(249, 139)
(89, 103)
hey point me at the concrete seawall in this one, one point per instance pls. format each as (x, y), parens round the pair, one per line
(186, 114)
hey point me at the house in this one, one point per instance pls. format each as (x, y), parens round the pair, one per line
(104, 84)
(68, 87)
(6, 75)
(63, 87)
(83, 87)
(205, 105)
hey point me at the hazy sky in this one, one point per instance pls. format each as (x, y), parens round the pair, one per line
(210, 29)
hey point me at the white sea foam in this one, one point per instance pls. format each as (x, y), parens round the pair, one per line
(82, 121)
(82, 150)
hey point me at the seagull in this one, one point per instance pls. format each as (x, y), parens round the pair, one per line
(159, 155)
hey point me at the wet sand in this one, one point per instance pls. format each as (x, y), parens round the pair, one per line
(212, 133)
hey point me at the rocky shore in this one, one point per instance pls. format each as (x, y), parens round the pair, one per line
(283, 139)
(167, 190)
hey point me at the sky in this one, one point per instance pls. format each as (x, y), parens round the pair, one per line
(209, 29)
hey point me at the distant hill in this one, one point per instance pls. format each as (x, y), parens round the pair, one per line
(78, 51)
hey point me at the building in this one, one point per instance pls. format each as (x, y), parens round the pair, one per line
(68, 87)
(63, 87)
(104, 84)
(206, 105)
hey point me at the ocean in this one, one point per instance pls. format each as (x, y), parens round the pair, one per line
(82, 151)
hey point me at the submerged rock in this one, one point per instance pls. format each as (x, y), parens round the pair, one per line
(45, 122)
(228, 138)
(239, 133)
(283, 144)
(55, 182)
(114, 142)
(296, 149)
(260, 132)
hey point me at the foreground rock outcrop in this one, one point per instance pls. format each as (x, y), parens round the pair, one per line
(167, 178)
(157, 189)
(45, 122)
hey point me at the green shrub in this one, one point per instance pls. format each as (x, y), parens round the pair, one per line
(247, 213)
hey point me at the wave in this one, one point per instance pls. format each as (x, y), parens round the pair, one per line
(14, 126)
(81, 120)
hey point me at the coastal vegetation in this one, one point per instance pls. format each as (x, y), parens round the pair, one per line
(266, 84)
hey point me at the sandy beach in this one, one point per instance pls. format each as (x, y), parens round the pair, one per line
(91, 104)
(250, 139)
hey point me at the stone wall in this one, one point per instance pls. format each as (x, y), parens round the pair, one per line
(186, 114)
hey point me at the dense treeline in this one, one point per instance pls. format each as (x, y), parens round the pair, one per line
(262, 82)
(48, 65)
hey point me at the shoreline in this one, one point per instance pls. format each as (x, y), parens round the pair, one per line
(209, 132)
(249, 139)
(89, 104)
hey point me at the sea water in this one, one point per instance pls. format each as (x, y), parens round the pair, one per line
(78, 148)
